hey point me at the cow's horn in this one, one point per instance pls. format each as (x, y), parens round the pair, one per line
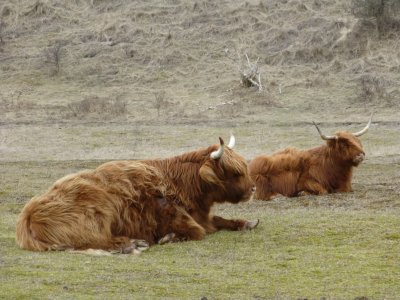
(232, 142)
(218, 153)
(323, 136)
(361, 132)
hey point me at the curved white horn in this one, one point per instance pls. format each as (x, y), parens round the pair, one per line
(361, 132)
(218, 153)
(323, 136)
(232, 142)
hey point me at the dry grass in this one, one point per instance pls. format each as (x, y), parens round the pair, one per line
(151, 48)
(98, 106)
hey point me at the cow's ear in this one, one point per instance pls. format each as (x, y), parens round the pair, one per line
(208, 175)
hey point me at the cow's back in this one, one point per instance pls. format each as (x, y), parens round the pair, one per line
(278, 173)
(86, 209)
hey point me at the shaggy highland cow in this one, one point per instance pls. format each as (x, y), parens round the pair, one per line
(321, 170)
(124, 206)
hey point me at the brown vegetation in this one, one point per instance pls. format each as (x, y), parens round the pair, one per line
(186, 50)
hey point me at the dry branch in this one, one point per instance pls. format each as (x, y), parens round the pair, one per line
(251, 75)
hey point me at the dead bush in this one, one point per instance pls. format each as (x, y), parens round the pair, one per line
(53, 56)
(12, 102)
(372, 88)
(2, 27)
(385, 12)
(160, 104)
(95, 106)
(39, 9)
(250, 74)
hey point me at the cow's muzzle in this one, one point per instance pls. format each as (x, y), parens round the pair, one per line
(359, 158)
(248, 195)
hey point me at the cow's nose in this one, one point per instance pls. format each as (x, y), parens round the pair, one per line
(253, 189)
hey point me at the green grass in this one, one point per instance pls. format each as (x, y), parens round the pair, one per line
(299, 253)
(338, 246)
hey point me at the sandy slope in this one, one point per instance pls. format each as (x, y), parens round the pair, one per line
(104, 80)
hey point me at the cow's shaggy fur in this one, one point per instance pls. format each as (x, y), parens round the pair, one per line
(321, 170)
(120, 203)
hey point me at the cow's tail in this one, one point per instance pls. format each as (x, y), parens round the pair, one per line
(30, 236)
(26, 234)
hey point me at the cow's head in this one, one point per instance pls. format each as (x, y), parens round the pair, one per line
(225, 174)
(347, 145)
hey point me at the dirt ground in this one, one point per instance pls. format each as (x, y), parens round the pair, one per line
(93, 80)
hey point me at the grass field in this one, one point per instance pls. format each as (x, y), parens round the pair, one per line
(301, 253)
(339, 246)
(88, 81)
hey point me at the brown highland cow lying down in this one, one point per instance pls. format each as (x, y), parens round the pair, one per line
(321, 170)
(124, 206)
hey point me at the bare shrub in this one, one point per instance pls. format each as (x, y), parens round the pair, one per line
(12, 102)
(5, 11)
(53, 56)
(2, 27)
(372, 88)
(385, 12)
(159, 102)
(39, 9)
(92, 106)
(250, 74)
(379, 91)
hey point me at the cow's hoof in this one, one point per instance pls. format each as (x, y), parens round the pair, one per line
(141, 245)
(167, 239)
(302, 194)
(249, 225)
(136, 247)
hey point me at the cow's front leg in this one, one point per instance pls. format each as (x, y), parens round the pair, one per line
(314, 188)
(177, 225)
(221, 223)
(344, 188)
(185, 232)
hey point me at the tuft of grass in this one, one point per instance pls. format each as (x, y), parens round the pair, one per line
(97, 106)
